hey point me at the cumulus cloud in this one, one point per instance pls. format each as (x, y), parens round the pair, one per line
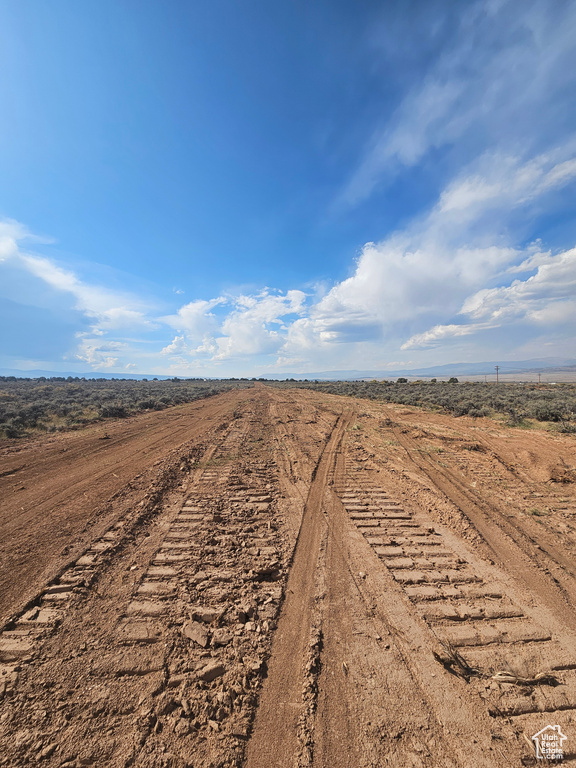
(437, 334)
(543, 299)
(496, 94)
(449, 274)
(533, 298)
(98, 354)
(244, 325)
(196, 319)
(177, 346)
(256, 324)
(453, 263)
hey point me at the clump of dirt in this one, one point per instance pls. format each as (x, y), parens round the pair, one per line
(562, 473)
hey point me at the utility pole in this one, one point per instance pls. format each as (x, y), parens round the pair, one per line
(539, 377)
(497, 369)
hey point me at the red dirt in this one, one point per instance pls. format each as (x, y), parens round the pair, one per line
(285, 578)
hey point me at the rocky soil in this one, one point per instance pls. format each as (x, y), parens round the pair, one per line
(287, 578)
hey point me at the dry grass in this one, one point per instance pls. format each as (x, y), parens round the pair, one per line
(455, 663)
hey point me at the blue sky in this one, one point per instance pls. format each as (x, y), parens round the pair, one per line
(235, 188)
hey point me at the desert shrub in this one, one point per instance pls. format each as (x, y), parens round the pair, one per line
(517, 401)
(479, 412)
(464, 407)
(113, 412)
(151, 404)
(13, 428)
(28, 405)
(548, 412)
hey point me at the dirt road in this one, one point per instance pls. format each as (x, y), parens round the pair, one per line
(284, 578)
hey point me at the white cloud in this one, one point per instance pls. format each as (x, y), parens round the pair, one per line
(554, 282)
(106, 311)
(399, 283)
(12, 234)
(240, 326)
(506, 180)
(98, 354)
(498, 81)
(498, 95)
(410, 133)
(440, 265)
(119, 318)
(445, 276)
(109, 309)
(196, 319)
(545, 299)
(558, 314)
(256, 325)
(177, 346)
(439, 333)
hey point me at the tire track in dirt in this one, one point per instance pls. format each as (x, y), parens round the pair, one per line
(541, 544)
(335, 730)
(275, 737)
(71, 490)
(164, 643)
(109, 455)
(467, 609)
(23, 633)
(155, 645)
(378, 700)
(370, 709)
(507, 543)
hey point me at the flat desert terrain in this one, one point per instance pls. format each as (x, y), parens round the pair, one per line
(284, 578)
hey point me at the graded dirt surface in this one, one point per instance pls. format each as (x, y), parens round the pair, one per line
(280, 578)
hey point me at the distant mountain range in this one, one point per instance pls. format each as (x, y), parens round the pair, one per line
(36, 374)
(539, 365)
